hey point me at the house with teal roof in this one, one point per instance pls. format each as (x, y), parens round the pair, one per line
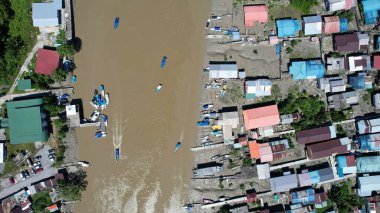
(371, 9)
(309, 69)
(288, 27)
(26, 121)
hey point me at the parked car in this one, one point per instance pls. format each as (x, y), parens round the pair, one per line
(52, 157)
(27, 173)
(37, 165)
(22, 175)
(32, 172)
(38, 157)
(12, 180)
(30, 162)
(39, 170)
(51, 151)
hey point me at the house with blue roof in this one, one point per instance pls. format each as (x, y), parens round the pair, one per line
(304, 197)
(371, 10)
(369, 142)
(357, 82)
(288, 27)
(309, 69)
(47, 14)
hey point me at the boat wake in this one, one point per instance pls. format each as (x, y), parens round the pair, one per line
(118, 129)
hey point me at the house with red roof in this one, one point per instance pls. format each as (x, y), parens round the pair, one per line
(261, 117)
(255, 13)
(47, 61)
(376, 62)
(331, 24)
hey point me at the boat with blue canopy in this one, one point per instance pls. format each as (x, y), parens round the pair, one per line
(116, 23)
(163, 62)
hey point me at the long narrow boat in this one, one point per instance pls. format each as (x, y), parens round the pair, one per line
(100, 134)
(158, 87)
(117, 154)
(178, 146)
(116, 23)
(163, 62)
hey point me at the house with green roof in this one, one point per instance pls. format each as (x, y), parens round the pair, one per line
(26, 121)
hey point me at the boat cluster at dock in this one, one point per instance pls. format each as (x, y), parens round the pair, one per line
(100, 102)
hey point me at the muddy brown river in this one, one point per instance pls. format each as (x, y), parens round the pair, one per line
(150, 177)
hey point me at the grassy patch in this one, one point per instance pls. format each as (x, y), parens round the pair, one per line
(304, 6)
(277, 12)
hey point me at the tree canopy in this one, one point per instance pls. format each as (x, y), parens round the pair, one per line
(41, 200)
(344, 197)
(73, 185)
(17, 36)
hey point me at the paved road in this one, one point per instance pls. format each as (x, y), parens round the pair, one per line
(49, 171)
(24, 67)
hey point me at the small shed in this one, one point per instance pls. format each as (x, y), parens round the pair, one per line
(312, 25)
(258, 88)
(376, 62)
(263, 171)
(24, 85)
(376, 100)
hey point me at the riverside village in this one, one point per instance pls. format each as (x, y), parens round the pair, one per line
(289, 112)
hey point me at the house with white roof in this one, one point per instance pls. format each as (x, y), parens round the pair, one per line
(359, 63)
(332, 84)
(335, 5)
(312, 25)
(224, 70)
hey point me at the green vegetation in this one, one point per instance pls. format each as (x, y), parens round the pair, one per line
(70, 189)
(276, 92)
(59, 75)
(17, 36)
(344, 196)
(235, 153)
(65, 48)
(231, 164)
(340, 131)
(237, 3)
(224, 209)
(311, 108)
(41, 200)
(304, 6)
(40, 82)
(221, 186)
(293, 42)
(233, 94)
(61, 129)
(349, 15)
(289, 50)
(50, 105)
(255, 51)
(12, 151)
(247, 162)
(242, 187)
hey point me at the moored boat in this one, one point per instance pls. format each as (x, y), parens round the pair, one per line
(107, 97)
(84, 163)
(100, 134)
(101, 90)
(73, 79)
(105, 120)
(94, 115)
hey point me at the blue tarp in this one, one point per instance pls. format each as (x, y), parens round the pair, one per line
(287, 27)
(371, 11)
(278, 49)
(343, 25)
(306, 69)
(357, 82)
(378, 43)
(235, 35)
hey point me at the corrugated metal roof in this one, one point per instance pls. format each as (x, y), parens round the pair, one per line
(326, 149)
(368, 164)
(46, 14)
(371, 11)
(309, 69)
(312, 25)
(25, 121)
(316, 134)
(255, 13)
(261, 117)
(370, 142)
(259, 87)
(331, 24)
(368, 184)
(283, 183)
(221, 70)
(263, 171)
(287, 27)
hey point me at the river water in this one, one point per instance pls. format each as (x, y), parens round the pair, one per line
(150, 177)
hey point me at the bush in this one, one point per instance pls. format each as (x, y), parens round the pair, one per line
(41, 200)
(304, 6)
(59, 75)
(289, 50)
(66, 49)
(50, 105)
(255, 51)
(337, 116)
